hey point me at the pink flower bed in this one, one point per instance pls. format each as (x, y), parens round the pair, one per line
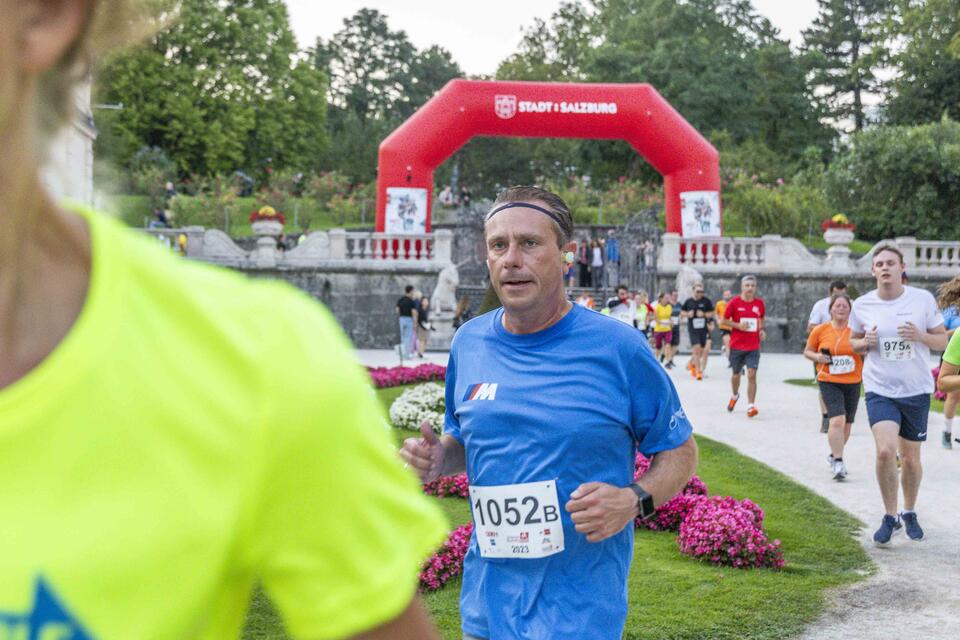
(728, 532)
(396, 376)
(447, 563)
(719, 530)
(448, 486)
(670, 514)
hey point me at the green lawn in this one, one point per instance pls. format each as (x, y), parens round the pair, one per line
(935, 405)
(672, 596)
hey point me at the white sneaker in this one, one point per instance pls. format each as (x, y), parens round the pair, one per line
(839, 470)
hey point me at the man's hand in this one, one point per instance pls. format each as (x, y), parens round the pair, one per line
(870, 337)
(909, 331)
(743, 326)
(424, 454)
(600, 510)
(763, 334)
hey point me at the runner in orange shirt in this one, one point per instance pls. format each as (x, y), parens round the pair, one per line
(839, 373)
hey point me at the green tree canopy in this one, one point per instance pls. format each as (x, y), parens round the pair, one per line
(377, 80)
(218, 90)
(927, 84)
(843, 52)
(900, 181)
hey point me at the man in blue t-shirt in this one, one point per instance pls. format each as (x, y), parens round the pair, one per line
(546, 405)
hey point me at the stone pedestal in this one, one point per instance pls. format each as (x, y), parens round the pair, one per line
(265, 255)
(838, 254)
(440, 339)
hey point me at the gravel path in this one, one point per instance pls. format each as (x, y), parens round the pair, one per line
(916, 590)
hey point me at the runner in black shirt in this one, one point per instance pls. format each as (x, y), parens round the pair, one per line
(698, 310)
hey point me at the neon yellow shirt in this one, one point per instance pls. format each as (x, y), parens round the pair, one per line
(195, 432)
(952, 354)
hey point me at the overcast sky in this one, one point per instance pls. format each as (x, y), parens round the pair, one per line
(479, 35)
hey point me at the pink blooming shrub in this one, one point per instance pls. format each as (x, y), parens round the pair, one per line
(939, 395)
(448, 486)
(396, 376)
(670, 514)
(447, 563)
(728, 532)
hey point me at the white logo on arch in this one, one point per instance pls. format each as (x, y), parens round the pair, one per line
(505, 106)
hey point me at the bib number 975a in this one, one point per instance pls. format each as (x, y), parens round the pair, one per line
(896, 350)
(517, 520)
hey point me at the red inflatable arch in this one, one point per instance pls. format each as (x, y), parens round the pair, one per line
(635, 113)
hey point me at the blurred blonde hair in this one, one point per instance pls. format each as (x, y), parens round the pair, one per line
(949, 293)
(111, 24)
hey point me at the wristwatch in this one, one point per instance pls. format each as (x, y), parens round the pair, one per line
(644, 501)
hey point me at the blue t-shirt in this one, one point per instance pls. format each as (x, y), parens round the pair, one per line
(573, 403)
(951, 318)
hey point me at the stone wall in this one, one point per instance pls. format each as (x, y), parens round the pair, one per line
(362, 300)
(788, 299)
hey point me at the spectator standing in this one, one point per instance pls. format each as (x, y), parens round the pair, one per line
(612, 269)
(407, 314)
(596, 263)
(423, 325)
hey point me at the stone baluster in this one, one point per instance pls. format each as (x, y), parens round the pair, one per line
(338, 244)
(669, 258)
(772, 256)
(908, 246)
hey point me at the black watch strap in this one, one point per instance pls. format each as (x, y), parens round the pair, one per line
(644, 501)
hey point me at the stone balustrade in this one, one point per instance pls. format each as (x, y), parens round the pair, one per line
(937, 258)
(336, 248)
(774, 254)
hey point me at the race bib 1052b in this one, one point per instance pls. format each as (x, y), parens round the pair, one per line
(517, 520)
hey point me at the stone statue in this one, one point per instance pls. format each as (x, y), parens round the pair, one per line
(686, 278)
(445, 294)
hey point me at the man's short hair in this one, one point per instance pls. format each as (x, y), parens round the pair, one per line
(837, 284)
(555, 204)
(407, 289)
(623, 286)
(888, 247)
(748, 278)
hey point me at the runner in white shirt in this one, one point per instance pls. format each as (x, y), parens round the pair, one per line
(819, 314)
(623, 307)
(899, 325)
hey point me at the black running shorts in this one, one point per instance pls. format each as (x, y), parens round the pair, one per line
(840, 398)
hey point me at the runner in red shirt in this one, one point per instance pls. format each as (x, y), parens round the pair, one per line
(744, 316)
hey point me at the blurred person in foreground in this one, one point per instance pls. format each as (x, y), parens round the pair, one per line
(149, 484)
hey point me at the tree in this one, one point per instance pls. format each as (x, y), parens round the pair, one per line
(718, 62)
(928, 62)
(367, 62)
(555, 50)
(844, 51)
(216, 90)
(900, 181)
(377, 80)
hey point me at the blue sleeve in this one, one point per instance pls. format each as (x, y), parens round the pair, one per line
(658, 421)
(451, 425)
(950, 318)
